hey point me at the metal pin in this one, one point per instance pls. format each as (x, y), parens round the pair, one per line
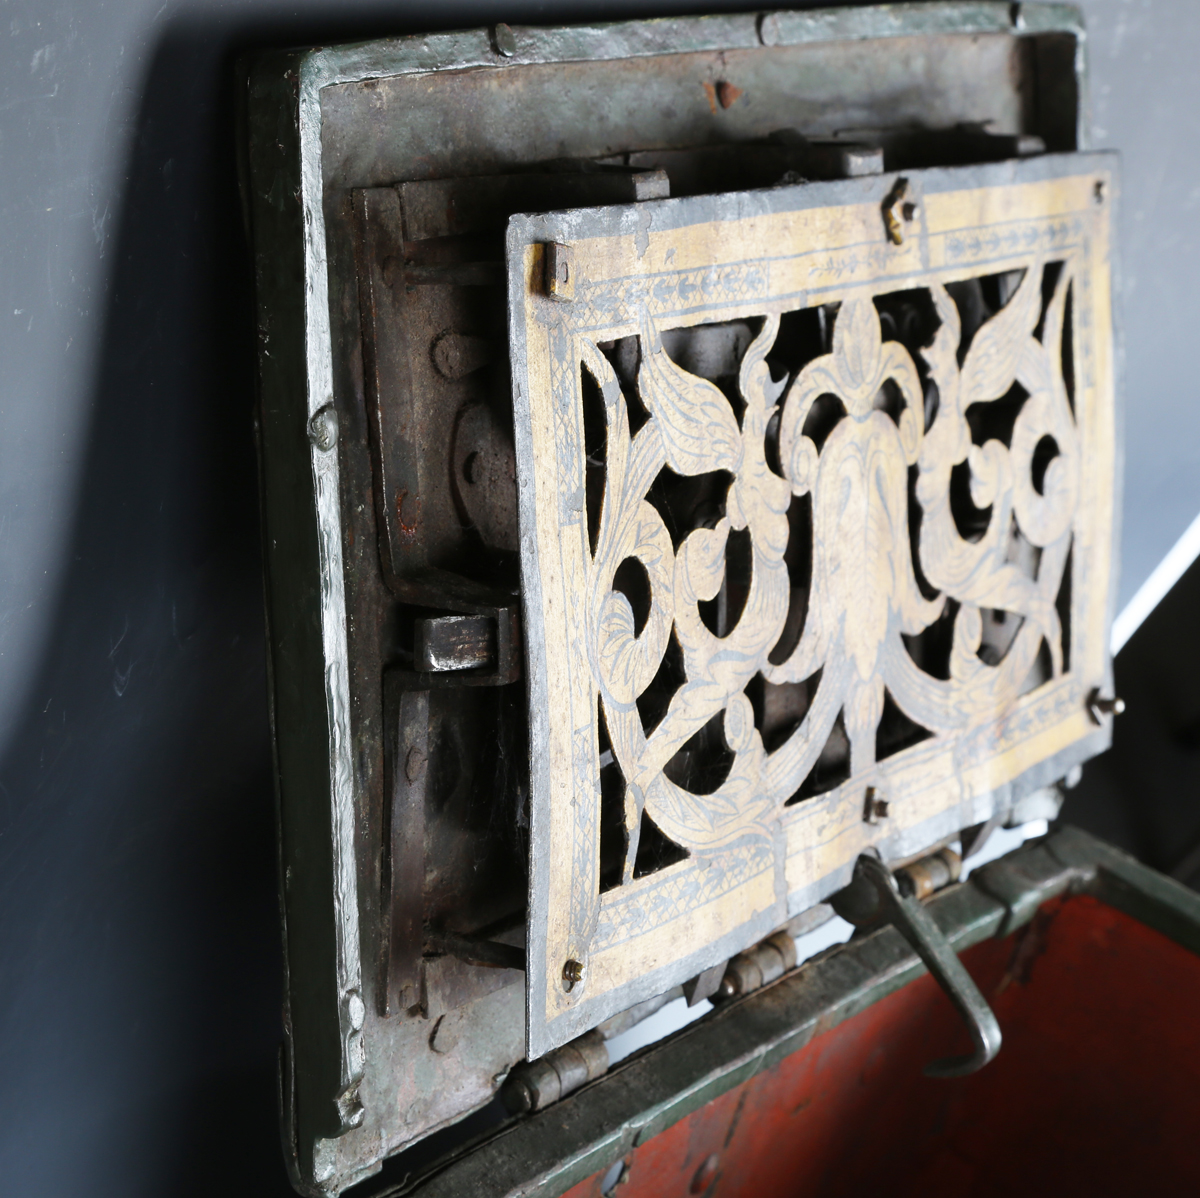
(766, 961)
(560, 272)
(534, 1085)
(1099, 706)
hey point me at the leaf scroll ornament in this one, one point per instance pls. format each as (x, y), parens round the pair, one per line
(864, 597)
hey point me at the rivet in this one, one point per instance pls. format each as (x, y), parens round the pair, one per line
(504, 40)
(323, 428)
(573, 972)
(768, 29)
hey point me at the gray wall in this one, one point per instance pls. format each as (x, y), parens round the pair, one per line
(138, 948)
(1146, 103)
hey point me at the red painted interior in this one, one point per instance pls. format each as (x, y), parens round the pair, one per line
(1095, 1091)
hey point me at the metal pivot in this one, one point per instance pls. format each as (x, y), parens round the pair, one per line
(910, 918)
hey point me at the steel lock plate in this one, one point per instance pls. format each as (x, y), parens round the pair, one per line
(843, 585)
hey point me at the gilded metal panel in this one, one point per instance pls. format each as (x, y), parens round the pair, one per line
(928, 522)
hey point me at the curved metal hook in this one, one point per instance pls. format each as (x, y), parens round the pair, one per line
(910, 918)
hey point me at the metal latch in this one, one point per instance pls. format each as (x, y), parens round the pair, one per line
(875, 896)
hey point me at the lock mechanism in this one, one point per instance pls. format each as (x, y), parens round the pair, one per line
(670, 523)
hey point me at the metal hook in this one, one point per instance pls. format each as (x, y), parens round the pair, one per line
(910, 918)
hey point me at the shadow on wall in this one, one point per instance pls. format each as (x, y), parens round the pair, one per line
(140, 954)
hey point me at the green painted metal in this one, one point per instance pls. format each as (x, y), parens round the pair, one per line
(549, 1152)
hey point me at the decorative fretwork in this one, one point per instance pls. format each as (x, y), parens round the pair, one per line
(864, 597)
(788, 552)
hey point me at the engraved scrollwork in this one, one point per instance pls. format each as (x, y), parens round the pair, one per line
(877, 462)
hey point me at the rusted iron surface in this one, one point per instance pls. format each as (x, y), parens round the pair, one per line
(413, 296)
(394, 128)
(402, 901)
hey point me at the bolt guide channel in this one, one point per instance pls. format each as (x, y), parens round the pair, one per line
(677, 530)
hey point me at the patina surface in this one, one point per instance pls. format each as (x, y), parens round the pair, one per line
(930, 540)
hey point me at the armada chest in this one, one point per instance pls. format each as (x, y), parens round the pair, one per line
(689, 455)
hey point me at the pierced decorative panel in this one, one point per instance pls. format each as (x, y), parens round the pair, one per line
(817, 506)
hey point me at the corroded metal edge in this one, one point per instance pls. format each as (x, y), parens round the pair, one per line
(547, 1153)
(676, 35)
(296, 79)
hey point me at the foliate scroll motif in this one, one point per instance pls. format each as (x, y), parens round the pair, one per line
(693, 430)
(977, 446)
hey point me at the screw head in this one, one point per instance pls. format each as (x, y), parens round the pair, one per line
(573, 973)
